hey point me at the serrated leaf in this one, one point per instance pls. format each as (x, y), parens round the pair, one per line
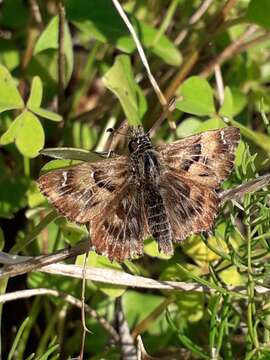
(36, 93)
(30, 136)
(49, 40)
(227, 108)
(10, 97)
(46, 113)
(258, 12)
(120, 80)
(196, 97)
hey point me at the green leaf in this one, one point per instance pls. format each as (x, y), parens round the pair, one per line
(46, 114)
(151, 249)
(49, 40)
(9, 54)
(101, 21)
(71, 154)
(135, 312)
(11, 133)
(72, 233)
(227, 106)
(12, 193)
(119, 79)
(17, 339)
(196, 97)
(260, 139)
(239, 100)
(164, 48)
(57, 164)
(10, 97)
(188, 127)
(36, 92)
(30, 135)
(211, 124)
(15, 15)
(258, 12)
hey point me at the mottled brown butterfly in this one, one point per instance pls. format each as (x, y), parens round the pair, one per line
(168, 192)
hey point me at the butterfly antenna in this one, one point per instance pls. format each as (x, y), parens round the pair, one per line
(115, 131)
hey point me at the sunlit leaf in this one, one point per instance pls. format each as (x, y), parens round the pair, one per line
(258, 12)
(119, 79)
(196, 97)
(10, 97)
(49, 40)
(46, 114)
(36, 92)
(30, 136)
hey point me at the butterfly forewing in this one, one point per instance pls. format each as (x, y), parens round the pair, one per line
(81, 192)
(196, 166)
(206, 158)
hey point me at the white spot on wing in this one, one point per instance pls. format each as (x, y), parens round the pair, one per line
(64, 182)
(222, 135)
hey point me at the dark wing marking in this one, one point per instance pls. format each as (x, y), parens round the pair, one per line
(82, 191)
(191, 207)
(118, 231)
(194, 169)
(206, 158)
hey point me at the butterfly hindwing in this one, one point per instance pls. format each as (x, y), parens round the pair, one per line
(191, 207)
(119, 230)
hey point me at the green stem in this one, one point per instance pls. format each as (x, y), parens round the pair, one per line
(26, 166)
(166, 21)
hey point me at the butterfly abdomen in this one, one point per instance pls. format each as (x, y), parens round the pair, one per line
(157, 219)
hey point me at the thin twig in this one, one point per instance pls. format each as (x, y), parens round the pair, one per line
(61, 56)
(220, 85)
(193, 19)
(22, 294)
(114, 277)
(251, 186)
(192, 58)
(25, 265)
(84, 327)
(128, 348)
(158, 92)
(36, 14)
(229, 51)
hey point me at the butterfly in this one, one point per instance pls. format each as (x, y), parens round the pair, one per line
(168, 192)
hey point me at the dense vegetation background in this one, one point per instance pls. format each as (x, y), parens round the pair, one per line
(70, 70)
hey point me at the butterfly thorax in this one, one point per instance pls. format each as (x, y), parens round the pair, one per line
(146, 168)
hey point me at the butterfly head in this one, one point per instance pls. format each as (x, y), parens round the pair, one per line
(138, 140)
